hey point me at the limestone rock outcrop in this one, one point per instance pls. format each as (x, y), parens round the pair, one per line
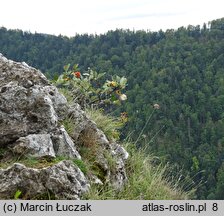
(64, 180)
(32, 111)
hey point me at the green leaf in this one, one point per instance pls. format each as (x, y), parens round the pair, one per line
(95, 75)
(117, 78)
(113, 98)
(55, 78)
(117, 102)
(17, 194)
(75, 67)
(100, 75)
(60, 79)
(91, 75)
(123, 82)
(98, 91)
(66, 67)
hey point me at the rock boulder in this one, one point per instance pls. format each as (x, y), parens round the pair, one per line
(31, 125)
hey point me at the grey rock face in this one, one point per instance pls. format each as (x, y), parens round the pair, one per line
(25, 111)
(64, 180)
(110, 157)
(63, 144)
(36, 145)
(31, 112)
(121, 155)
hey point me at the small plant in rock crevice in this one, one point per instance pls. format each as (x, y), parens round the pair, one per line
(17, 194)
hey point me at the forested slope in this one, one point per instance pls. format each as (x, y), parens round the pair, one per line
(181, 70)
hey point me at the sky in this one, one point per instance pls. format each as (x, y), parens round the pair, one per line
(71, 17)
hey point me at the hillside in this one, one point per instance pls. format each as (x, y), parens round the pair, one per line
(51, 149)
(181, 70)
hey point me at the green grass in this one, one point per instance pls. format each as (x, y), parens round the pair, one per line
(81, 164)
(39, 163)
(108, 124)
(29, 161)
(145, 181)
(69, 125)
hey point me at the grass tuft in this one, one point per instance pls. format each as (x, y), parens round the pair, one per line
(145, 181)
(108, 124)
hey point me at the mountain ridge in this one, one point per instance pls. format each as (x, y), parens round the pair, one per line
(181, 70)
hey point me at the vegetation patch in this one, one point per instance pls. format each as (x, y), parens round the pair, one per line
(110, 125)
(145, 181)
(69, 125)
(81, 164)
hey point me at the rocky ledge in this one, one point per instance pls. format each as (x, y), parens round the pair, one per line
(31, 126)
